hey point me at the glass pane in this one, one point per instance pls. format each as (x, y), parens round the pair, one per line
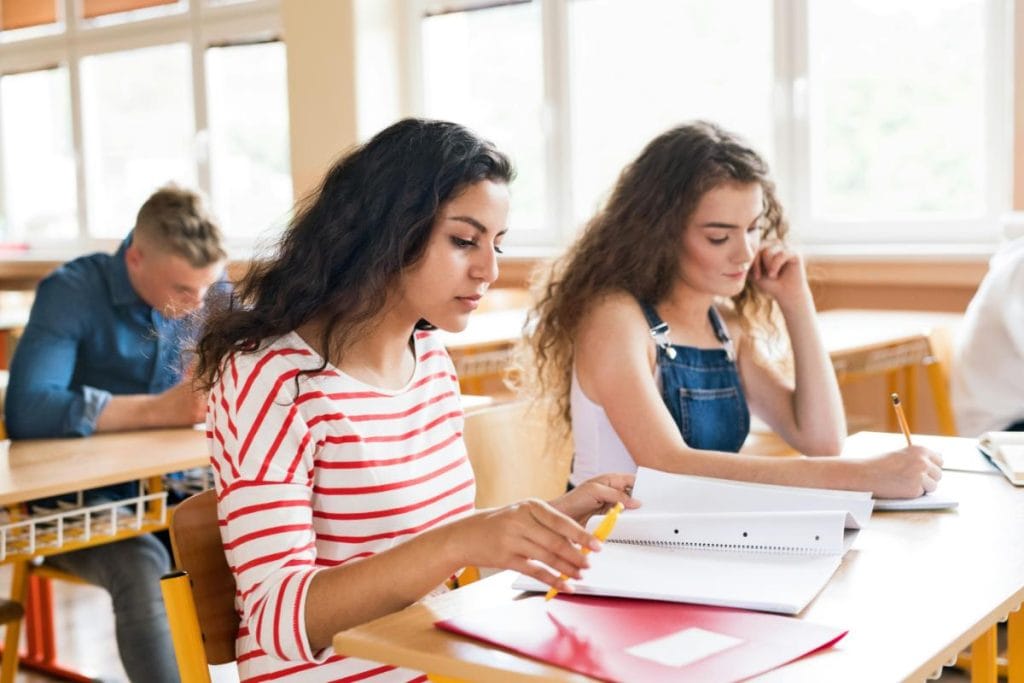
(897, 115)
(483, 69)
(638, 68)
(248, 106)
(38, 160)
(138, 129)
(98, 8)
(24, 13)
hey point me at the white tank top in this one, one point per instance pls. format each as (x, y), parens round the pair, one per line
(598, 448)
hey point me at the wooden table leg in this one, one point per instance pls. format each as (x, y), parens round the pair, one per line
(1015, 647)
(984, 667)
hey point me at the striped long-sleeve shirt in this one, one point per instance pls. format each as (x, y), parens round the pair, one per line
(320, 472)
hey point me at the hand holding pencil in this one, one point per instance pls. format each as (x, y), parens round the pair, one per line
(905, 473)
(601, 532)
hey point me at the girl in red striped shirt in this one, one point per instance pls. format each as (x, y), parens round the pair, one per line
(334, 419)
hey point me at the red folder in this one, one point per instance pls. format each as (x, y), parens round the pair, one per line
(617, 639)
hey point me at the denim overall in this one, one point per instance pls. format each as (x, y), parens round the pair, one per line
(701, 388)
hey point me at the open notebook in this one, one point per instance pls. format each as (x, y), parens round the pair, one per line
(717, 542)
(1006, 451)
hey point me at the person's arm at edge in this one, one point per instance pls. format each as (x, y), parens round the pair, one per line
(39, 402)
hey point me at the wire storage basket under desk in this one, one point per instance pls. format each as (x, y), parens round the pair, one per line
(60, 525)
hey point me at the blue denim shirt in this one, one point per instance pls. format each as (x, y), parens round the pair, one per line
(89, 337)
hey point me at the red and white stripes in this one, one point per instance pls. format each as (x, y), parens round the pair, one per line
(316, 470)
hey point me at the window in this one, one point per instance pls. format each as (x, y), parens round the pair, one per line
(883, 120)
(898, 115)
(484, 69)
(38, 160)
(103, 101)
(623, 97)
(251, 182)
(138, 129)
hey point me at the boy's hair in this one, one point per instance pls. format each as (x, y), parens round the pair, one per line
(175, 220)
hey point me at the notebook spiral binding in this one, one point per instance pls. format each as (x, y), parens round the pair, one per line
(725, 547)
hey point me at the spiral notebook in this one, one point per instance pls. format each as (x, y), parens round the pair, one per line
(724, 543)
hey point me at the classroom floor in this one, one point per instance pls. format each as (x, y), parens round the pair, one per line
(85, 635)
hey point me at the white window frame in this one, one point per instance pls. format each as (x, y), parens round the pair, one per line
(197, 24)
(791, 129)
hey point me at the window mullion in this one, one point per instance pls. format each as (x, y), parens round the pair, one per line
(413, 100)
(557, 121)
(77, 130)
(999, 113)
(201, 136)
(790, 110)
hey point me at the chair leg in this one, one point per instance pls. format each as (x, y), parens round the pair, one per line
(184, 624)
(19, 590)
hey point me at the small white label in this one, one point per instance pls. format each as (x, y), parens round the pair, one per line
(684, 647)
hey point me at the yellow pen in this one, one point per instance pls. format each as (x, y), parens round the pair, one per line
(603, 530)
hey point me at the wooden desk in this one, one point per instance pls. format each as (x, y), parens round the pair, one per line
(35, 469)
(484, 349)
(915, 590)
(894, 344)
(38, 468)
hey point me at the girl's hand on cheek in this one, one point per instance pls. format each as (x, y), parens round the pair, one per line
(779, 272)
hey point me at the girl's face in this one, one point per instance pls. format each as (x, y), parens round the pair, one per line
(722, 238)
(460, 261)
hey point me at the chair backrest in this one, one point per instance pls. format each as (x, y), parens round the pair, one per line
(516, 453)
(195, 537)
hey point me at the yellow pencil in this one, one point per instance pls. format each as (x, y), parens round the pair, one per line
(901, 417)
(601, 532)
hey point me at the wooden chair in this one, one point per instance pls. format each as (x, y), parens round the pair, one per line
(200, 597)
(516, 453)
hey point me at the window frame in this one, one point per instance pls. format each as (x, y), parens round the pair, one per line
(198, 24)
(791, 128)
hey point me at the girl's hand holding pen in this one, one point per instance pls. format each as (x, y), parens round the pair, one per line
(524, 535)
(906, 473)
(520, 537)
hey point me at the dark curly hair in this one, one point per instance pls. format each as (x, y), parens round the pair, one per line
(350, 240)
(632, 245)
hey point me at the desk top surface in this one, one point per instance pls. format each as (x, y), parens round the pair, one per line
(915, 589)
(847, 330)
(842, 330)
(36, 468)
